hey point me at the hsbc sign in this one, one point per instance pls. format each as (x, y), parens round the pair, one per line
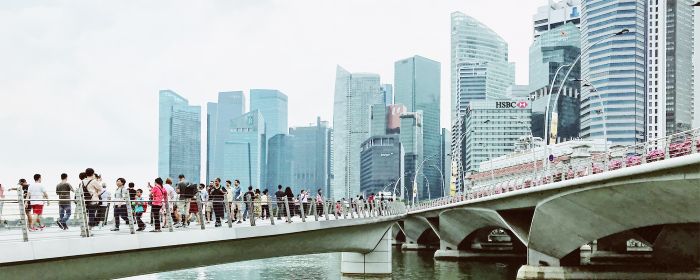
(511, 104)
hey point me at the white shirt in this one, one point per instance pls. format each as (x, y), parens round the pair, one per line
(171, 192)
(36, 191)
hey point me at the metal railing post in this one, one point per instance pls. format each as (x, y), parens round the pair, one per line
(315, 209)
(325, 210)
(251, 211)
(286, 207)
(168, 215)
(129, 212)
(227, 211)
(200, 211)
(335, 212)
(302, 212)
(22, 214)
(81, 211)
(269, 211)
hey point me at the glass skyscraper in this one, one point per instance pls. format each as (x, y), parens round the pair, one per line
(616, 69)
(381, 164)
(355, 93)
(311, 153)
(230, 105)
(272, 104)
(243, 152)
(388, 92)
(553, 48)
(411, 138)
(478, 50)
(280, 158)
(417, 86)
(179, 137)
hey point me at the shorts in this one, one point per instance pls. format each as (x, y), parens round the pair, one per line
(38, 209)
(194, 208)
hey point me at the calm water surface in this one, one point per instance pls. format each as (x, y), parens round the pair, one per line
(406, 265)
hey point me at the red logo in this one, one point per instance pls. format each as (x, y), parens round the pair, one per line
(521, 104)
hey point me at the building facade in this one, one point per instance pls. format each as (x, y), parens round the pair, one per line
(552, 49)
(670, 71)
(492, 128)
(615, 67)
(388, 93)
(274, 107)
(280, 159)
(411, 137)
(230, 105)
(179, 137)
(380, 165)
(243, 153)
(417, 86)
(311, 154)
(564, 121)
(355, 93)
(555, 14)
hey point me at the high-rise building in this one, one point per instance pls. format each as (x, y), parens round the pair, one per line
(564, 118)
(555, 14)
(179, 137)
(670, 75)
(446, 167)
(377, 120)
(230, 106)
(380, 165)
(492, 128)
(243, 150)
(311, 154)
(280, 159)
(272, 104)
(559, 46)
(518, 92)
(411, 138)
(417, 86)
(388, 93)
(615, 67)
(477, 51)
(355, 93)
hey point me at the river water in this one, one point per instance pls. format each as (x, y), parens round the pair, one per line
(406, 265)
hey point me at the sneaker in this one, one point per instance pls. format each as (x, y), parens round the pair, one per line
(65, 226)
(239, 222)
(114, 229)
(33, 229)
(41, 227)
(140, 229)
(60, 225)
(217, 225)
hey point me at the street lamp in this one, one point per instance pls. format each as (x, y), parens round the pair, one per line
(571, 67)
(587, 83)
(415, 177)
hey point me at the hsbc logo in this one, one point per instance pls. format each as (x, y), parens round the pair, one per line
(513, 104)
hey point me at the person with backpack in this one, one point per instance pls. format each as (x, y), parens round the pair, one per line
(216, 195)
(279, 195)
(140, 206)
(91, 191)
(248, 197)
(159, 195)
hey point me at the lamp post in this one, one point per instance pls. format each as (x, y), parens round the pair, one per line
(415, 177)
(602, 109)
(442, 178)
(571, 67)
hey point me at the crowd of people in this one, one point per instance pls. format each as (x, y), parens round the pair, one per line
(179, 203)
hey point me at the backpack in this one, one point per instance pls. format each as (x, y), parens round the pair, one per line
(190, 191)
(86, 194)
(100, 197)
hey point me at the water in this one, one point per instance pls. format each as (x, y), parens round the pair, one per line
(406, 265)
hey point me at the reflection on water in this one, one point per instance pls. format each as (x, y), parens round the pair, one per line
(406, 265)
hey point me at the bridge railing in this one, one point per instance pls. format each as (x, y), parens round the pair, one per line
(18, 214)
(579, 165)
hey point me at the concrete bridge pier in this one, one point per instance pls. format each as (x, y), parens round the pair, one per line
(420, 233)
(377, 262)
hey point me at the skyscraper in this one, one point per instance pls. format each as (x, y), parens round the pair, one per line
(311, 153)
(615, 67)
(230, 105)
(355, 93)
(381, 168)
(179, 137)
(555, 14)
(417, 86)
(388, 92)
(411, 138)
(280, 159)
(477, 50)
(243, 150)
(272, 104)
(670, 75)
(556, 47)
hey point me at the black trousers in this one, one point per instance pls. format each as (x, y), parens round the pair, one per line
(120, 212)
(155, 214)
(139, 221)
(218, 207)
(92, 214)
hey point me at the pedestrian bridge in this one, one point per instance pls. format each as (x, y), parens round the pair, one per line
(363, 236)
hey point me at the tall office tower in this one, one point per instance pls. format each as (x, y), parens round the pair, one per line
(480, 51)
(411, 138)
(230, 105)
(492, 128)
(388, 93)
(670, 75)
(446, 152)
(615, 67)
(552, 49)
(380, 165)
(179, 137)
(564, 119)
(311, 154)
(355, 93)
(555, 14)
(272, 104)
(377, 120)
(280, 159)
(417, 86)
(243, 150)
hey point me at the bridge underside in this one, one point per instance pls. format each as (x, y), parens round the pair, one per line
(362, 238)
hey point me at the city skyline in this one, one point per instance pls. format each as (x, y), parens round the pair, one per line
(129, 125)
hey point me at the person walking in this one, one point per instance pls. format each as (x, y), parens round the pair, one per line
(194, 207)
(216, 195)
(237, 198)
(279, 195)
(24, 187)
(209, 205)
(229, 199)
(140, 207)
(105, 197)
(63, 190)
(36, 193)
(264, 201)
(247, 200)
(183, 199)
(159, 195)
(257, 209)
(319, 202)
(290, 198)
(120, 195)
(171, 196)
(91, 191)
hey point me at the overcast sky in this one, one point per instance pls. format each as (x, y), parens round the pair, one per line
(79, 79)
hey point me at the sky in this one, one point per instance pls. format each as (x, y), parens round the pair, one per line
(79, 80)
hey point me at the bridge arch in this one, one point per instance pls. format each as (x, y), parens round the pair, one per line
(421, 230)
(458, 227)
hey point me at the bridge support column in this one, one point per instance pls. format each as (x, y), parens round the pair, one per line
(376, 262)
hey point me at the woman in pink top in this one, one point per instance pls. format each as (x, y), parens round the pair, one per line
(158, 198)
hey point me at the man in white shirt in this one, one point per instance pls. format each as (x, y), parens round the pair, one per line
(120, 211)
(36, 192)
(172, 199)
